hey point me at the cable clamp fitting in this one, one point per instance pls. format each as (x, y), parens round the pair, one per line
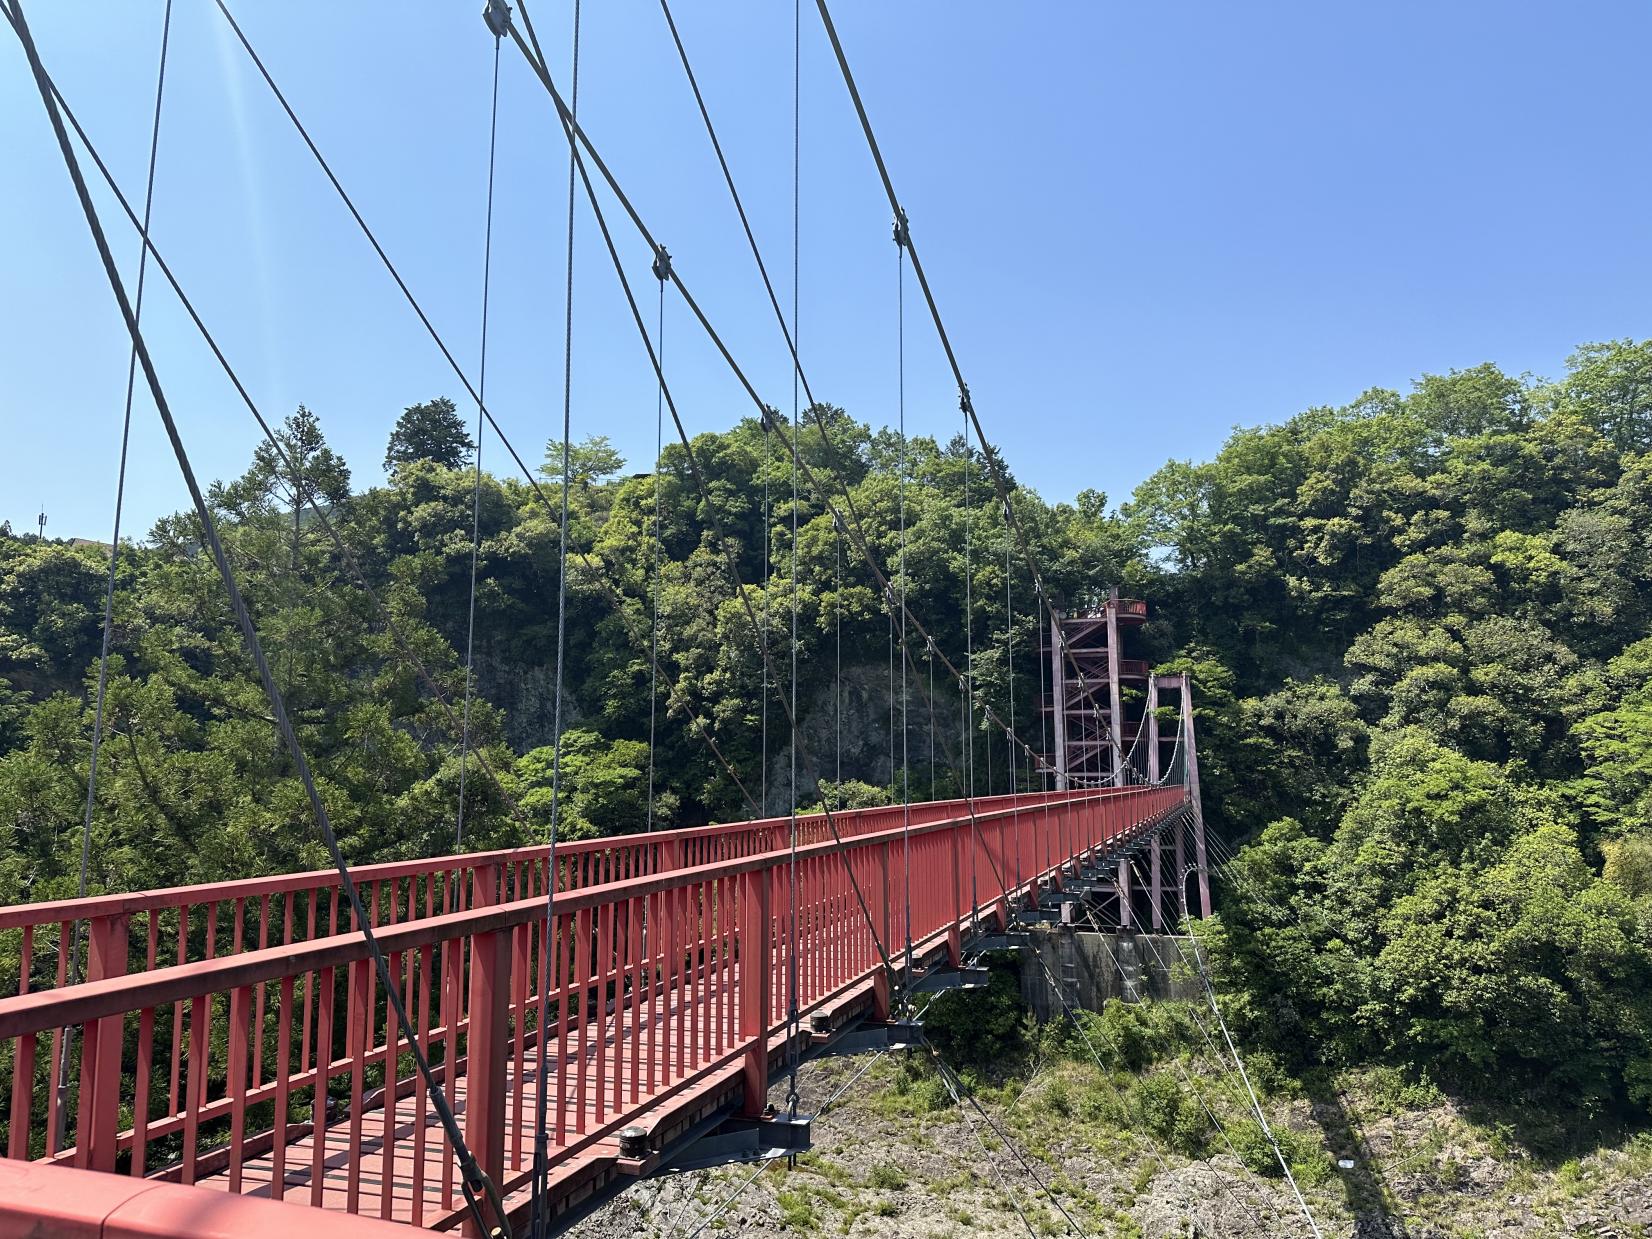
(903, 234)
(662, 263)
(497, 15)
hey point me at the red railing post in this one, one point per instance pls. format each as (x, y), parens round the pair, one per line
(487, 1049)
(888, 934)
(880, 979)
(955, 910)
(756, 986)
(100, 1056)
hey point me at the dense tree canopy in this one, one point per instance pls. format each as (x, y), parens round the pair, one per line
(1434, 611)
(1419, 626)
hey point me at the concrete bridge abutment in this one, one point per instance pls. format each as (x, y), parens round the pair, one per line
(1086, 968)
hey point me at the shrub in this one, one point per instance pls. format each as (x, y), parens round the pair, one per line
(1058, 1098)
(981, 1029)
(886, 1177)
(1171, 1112)
(1309, 1162)
(796, 1213)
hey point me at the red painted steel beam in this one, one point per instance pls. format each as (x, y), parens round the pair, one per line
(38, 1201)
(835, 956)
(17, 916)
(42, 1010)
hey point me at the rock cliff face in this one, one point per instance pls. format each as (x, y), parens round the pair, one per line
(859, 735)
(527, 695)
(853, 735)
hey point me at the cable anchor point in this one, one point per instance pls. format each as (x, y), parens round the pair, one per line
(662, 263)
(497, 15)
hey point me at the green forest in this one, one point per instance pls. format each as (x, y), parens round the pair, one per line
(1419, 629)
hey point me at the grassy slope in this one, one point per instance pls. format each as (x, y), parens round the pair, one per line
(1133, 1153)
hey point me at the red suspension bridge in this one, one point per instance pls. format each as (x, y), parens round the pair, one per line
(498, 1041)
(208, 1011)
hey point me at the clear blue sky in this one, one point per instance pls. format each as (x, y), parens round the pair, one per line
(1145, 223)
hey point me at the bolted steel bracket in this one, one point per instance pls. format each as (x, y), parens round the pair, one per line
(945, 978)
(1037, 916)
(497, 15)
(1012, 941)
(745, 1140)
(872, 1037)
(1075, 888)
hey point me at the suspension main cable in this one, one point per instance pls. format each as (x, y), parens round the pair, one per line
(815, 411)
(856, 536)
(700, 727)
(120, 492)
(62, 1084)
(476, 483)
(965, 402)
(530, 49)
(789, 332)
(472, 1179)
(403, 646)
(576, 136)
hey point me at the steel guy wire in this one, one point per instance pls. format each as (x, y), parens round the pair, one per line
(476, 485)
(541, 1220)
(472, 1178)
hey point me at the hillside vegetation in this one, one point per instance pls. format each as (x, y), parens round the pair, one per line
(1420, 630)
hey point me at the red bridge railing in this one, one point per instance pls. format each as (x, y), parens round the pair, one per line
(237, 1036)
